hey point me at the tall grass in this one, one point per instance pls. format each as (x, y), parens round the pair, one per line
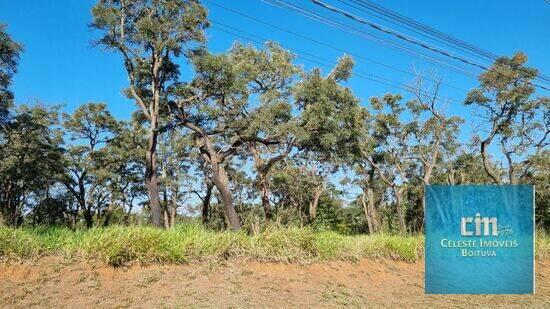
(191, 242)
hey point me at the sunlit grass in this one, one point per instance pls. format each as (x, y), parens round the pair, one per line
(190, 242)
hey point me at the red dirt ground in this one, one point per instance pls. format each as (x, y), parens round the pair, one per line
(49, 283)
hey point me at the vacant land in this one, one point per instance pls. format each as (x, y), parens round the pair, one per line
(50, 282)
(193, 266)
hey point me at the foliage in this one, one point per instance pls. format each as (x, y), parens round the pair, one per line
(191, 242)
(9, 58)
(254, 143)
(519, 123)
(29, 165)
(150, 36)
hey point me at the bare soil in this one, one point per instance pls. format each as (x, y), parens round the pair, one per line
(53, 283)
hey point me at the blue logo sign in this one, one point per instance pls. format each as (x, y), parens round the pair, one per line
(479, 239)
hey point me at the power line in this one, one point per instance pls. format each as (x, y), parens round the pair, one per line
(322, 62)
(396, 34)
(429, 31)
(409, 39)
(426, 31)
(363, 34)
(301, 36)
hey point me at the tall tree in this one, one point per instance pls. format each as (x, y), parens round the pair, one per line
(121, 164)
(217, 107)
(517, 122)
(330, 123)
(150, 35)
(30, 160)
(9, 58)
(434, 133)
(391, 155)
(272, 127)
(90, 127)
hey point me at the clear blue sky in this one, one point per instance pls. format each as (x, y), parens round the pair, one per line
(60, 66)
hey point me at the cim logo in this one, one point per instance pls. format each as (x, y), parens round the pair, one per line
(489, 224)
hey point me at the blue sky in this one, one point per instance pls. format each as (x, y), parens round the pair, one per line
(60, 66)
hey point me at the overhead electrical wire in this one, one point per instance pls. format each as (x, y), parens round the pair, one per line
(320, 61)
(409, 39)
(396, 34)
(355, 55)
(427, 30)
(397, 19)
(361, 33)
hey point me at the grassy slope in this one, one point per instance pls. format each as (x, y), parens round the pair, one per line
(191, 242)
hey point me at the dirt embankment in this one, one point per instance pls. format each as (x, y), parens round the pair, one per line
(382, 283)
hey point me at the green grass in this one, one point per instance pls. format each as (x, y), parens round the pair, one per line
(191, 242)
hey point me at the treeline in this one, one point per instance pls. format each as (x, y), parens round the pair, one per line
(252, 139)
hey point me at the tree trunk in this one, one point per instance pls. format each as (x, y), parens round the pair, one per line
(367, 214)
(400, 211)
(172, 209)
(128, 213)
(264, 190)
(88, 218)
(373, 217)
(486, 162)
(221, 181)
(262, 169)
(151, 178)
(206, 201)
(315, 203)
(166, 219)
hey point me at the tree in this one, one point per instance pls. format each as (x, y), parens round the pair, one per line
(296, 190)
(272, 127)
(390, 155)
(330, 123)
(30, 160)
(370, 196)
(150, 35)
(9, 58)
(175, 165)
(434, 133)
(518, 123)
(121, 164)
(462, 168)
(91, 126)
(217, 107)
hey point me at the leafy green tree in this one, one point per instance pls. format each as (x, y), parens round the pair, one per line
(330, 124)
(391, 152)
(30, 160)
(90, 127)
(332, 120)
(272, 126)
(434, 133)
(150, 36)
(9, 58)
(518, 123)
(121, 164)
(217, 107)
(296, 190)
